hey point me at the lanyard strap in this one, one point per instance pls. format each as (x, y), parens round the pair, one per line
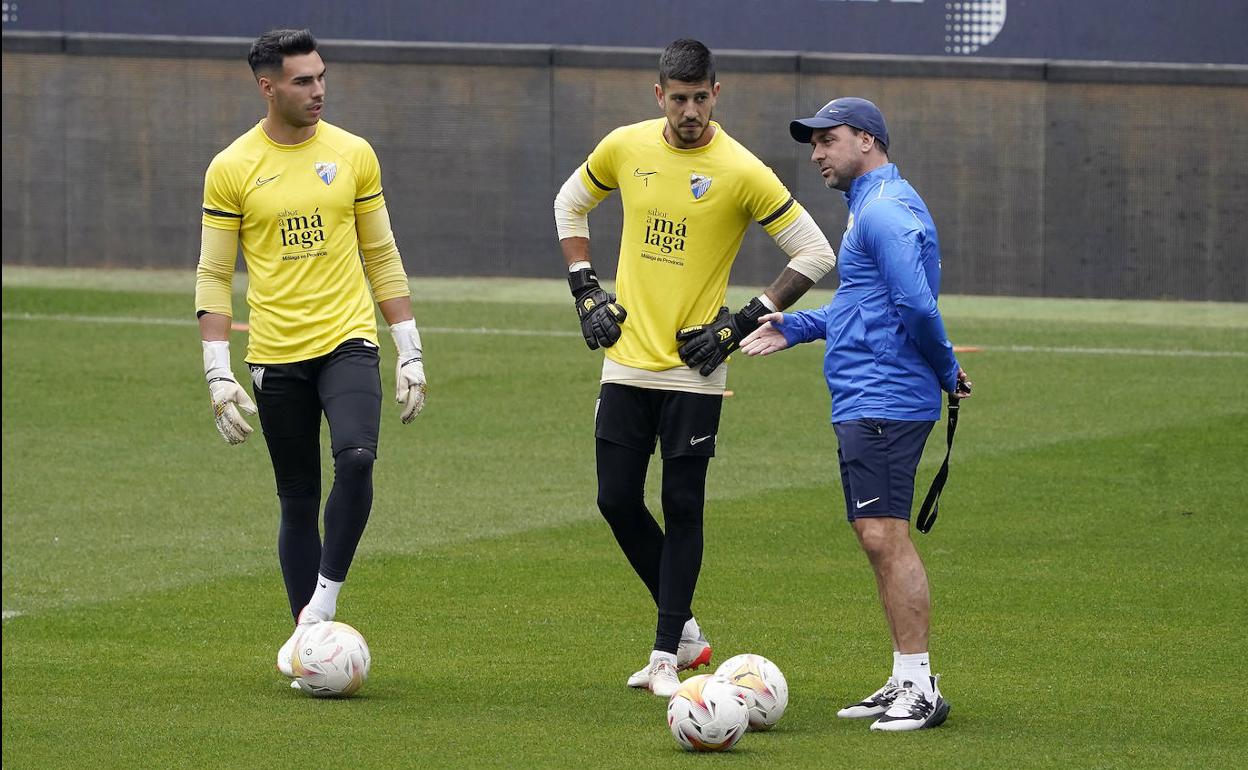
(931, 503)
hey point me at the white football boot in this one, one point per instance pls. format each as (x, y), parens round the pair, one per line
(658, 676)
(285, 654)
(663, 680)
(640, 678)
(693, 652)
(914, 709)
(874, 704)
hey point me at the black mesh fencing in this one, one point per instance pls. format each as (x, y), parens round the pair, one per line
(1042, 181)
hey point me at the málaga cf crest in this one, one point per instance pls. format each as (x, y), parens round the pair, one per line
(699, 184)
(326, 171)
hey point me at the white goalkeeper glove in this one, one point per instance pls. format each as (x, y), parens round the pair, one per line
(409, 371)
(227, 395)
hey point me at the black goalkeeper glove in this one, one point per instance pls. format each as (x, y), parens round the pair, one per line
(705, 346)
(600, 314)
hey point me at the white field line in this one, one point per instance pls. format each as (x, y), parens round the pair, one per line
(1180, 353)
(504, 332)
(141, 321)
(98, 319)
(11, 614)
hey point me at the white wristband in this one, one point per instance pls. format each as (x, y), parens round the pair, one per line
(406, 337)
(582, 265)
(767, 303)
(217, 357)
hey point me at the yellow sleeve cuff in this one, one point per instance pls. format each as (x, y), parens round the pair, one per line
(782, 217)
(370, 203)
(596, 187)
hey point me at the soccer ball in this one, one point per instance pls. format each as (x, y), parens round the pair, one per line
(331, 660)
(707, 713)
(766, 691)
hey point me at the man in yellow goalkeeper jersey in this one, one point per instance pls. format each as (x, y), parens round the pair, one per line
(304, 200)
(689, 192)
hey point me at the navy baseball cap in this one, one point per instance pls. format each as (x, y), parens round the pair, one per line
(846, 111)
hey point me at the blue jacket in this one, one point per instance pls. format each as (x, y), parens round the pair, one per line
(887, 353)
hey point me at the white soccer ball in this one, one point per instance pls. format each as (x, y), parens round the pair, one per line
(707, 713)
(766, 690)
(331, 660)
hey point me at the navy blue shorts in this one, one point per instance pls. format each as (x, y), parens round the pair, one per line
(878, 459)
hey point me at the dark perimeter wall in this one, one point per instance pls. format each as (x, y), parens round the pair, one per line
(1195, 31)
(1044, 178)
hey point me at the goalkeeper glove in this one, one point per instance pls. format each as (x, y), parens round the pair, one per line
(705, 346)
(600, 314)
(409, 370)
(228, 397)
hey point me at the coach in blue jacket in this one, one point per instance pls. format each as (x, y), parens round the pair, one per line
(887, 362)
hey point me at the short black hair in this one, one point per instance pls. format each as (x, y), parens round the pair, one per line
(687, 60)
(878, 142)
(271, 48)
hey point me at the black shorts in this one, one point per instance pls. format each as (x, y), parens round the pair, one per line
(637, 417)
(344, 384)
(878, 459)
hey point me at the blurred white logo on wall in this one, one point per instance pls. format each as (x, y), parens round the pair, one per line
(969, 24)
(972, 24)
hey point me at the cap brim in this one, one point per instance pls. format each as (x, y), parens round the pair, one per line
(801, 130)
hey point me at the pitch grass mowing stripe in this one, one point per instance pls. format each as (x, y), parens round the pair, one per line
(554, 291)
(1084, 570)
(1036, 613)
(494, 398)
(240, 327)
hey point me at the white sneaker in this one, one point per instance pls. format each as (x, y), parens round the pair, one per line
(286, 653)
(914, 710)
(874, 704)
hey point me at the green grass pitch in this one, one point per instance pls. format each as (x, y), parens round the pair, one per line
(1088, 569)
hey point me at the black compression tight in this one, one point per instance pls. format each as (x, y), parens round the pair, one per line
(299, 548)
(668, 563)
(346, 510)
(346, 514)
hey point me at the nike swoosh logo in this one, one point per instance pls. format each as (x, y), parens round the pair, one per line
(696, 441)
(260, 182)
(322, 585)
(639, 172)
(868, 502)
